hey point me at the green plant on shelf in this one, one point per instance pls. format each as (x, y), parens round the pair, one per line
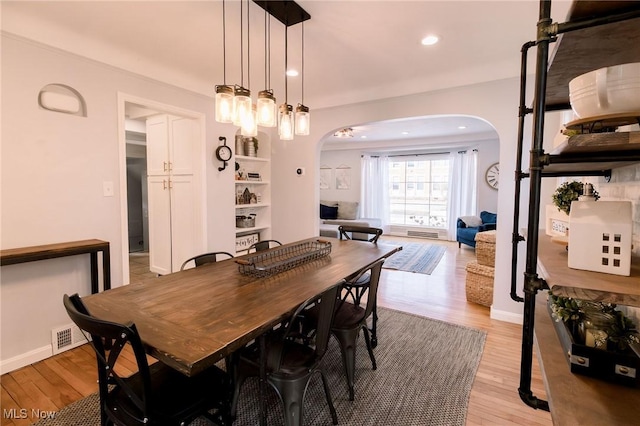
(569, 192)
(580, 314)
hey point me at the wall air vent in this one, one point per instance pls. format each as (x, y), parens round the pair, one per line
(423, 234)
(65, 338)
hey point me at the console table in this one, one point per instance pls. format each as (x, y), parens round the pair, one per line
(72, 248)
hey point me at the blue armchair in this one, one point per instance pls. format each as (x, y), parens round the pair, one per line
(469, 226)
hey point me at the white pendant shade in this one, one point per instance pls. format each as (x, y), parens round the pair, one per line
(285, 122)
(224, 104)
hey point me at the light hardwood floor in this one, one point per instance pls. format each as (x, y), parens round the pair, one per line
(56, 382)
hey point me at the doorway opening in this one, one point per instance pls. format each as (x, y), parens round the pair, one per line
(138, 220)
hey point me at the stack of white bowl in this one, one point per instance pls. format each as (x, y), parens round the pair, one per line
(606, 91)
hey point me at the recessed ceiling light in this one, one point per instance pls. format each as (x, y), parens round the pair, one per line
(405, 133)
(363, 137)
(292, 73)
(430, 40)
(462, 127)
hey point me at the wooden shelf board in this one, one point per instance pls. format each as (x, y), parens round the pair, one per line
(600, 143)
(575, 399)
(573, 168)
(579, 52)
(579, 284)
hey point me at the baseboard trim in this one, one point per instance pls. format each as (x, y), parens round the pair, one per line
(506, 316)
(8, 365)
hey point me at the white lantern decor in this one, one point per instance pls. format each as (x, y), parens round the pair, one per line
(600, 235)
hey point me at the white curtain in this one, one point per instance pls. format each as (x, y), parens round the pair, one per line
(463, 187)
(374, 198)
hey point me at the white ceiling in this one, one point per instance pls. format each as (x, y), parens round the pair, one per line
(355, 51)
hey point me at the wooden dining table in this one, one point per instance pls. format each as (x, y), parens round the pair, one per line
(194, 318)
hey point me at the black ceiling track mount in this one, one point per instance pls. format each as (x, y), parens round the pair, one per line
(286, 11)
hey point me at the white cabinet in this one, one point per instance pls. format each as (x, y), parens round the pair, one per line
(171, 145)
(175, 208)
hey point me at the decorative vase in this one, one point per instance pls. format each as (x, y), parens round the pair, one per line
(239, 145)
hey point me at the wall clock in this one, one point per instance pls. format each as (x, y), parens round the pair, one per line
(223, 153)
(492, 175)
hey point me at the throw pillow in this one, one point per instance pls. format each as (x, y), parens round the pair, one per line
(328, 212)
(471, 221)
(329, 203)
(487, 217)
(347, 210)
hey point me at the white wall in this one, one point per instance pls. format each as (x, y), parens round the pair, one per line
(343, 158)
(496, 102)
(53, 168)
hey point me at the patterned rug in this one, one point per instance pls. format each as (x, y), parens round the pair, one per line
(425, 372)
(416, 257)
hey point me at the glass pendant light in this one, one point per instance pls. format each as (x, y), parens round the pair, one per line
(266, 108)
(266, 104)
(224, 104)
(302, 120)
(285, 113)
(249, 125)
(285, 122)
(224, 93)
(241, 105)
(302, 112)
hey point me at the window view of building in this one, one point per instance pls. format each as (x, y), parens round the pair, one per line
(418, 191)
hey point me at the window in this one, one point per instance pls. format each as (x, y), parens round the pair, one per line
(419, 191)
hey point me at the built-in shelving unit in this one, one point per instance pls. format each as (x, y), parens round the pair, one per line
(260, 206)
(596, 35)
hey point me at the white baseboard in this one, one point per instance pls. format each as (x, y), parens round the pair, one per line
(7, 365)
(506, 316)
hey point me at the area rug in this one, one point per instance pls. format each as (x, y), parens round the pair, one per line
(425, 373)
(416, 257)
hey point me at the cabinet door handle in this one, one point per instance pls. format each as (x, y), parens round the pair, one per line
(170, 166)
(164, 184)
(164, 166)
(170, 185)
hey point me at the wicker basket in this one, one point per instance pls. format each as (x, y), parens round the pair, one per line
(479, 283)
(486, 248)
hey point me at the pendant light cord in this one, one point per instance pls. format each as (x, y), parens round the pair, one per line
(241, 45)
(224, 44)
(286, 62)
(248, 48)
(266, 58)
(302, 63)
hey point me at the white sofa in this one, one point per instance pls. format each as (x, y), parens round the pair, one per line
(346, 214)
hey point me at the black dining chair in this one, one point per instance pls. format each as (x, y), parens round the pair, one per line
(357, 287)
(203, 259)
(349, 319)
(154, 395)
(291, 358)
(263, 245)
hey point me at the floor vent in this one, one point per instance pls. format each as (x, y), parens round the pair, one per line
(65, 338)
(423, 234)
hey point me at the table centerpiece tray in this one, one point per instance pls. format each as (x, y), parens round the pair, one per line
(280, 259)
